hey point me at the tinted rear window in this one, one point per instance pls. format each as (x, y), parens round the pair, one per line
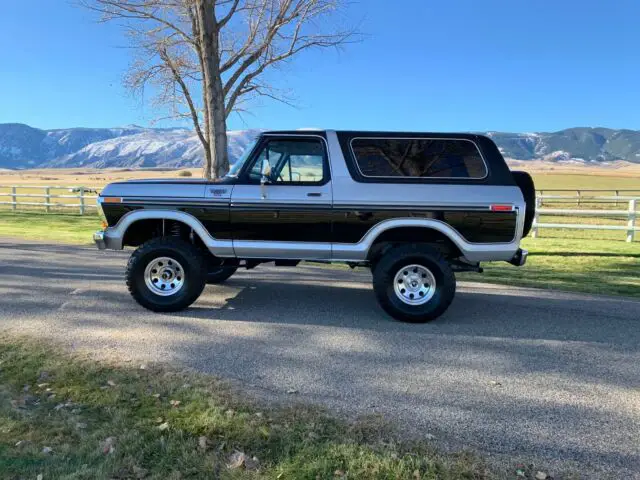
(420, 157)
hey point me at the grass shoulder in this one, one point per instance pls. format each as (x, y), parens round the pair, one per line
(52, 227)
(68, 417)
(587, 265)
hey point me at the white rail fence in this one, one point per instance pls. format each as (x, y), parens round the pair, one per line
(83, 200)
(594, 203)
(79, 198)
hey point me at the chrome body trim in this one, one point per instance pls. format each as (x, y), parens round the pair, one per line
(113, 236)
(473, 252)
(282, 250)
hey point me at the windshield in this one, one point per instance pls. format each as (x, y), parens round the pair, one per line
(237, 166)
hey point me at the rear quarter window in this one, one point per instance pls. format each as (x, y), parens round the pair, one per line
(418, 158)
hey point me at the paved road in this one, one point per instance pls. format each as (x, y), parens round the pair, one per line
(567, 366)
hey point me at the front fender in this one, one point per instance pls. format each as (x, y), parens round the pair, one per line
(113, 236)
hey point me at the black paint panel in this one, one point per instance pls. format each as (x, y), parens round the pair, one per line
(115, 211)
(324, 224)
(215, 218)
(349, 226)
(282, 224)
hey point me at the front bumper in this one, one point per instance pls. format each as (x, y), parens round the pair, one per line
(98, 237)
(520, 258)
(106, 241)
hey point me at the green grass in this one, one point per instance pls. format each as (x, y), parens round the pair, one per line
(66, 417)
(588, 265)
(54, 228)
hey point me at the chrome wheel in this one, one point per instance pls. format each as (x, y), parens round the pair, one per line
(414, 284)
(164, 276)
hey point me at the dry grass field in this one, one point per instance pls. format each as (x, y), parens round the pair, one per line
(621, 175)
(86, 177)
(548, 175)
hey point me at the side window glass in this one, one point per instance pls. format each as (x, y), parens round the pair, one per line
(255, 174)
(302, 168)
(292, 161)
(422, 158)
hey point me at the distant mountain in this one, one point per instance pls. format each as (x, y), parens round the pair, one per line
(22, 146)
(592, 145)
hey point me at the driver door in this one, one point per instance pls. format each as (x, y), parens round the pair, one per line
(284, 212)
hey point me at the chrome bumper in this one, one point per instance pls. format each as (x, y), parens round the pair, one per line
(108, 239)
(520, 258)
(98, 237)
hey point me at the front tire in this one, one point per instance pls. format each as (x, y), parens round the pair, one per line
(166, 274)
(414, 283)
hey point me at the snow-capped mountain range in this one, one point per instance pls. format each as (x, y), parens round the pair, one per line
(22, 146)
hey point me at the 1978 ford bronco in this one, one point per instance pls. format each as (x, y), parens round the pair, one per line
(413, 207)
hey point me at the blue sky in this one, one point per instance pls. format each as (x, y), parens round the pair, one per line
(432, 65)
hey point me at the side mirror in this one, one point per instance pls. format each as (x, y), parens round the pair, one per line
(265, 177)
(265, 172)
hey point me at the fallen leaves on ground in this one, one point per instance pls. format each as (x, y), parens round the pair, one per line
(236, 460)
(108, 445)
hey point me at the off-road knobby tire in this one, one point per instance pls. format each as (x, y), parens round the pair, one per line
(193, 262)
(421, 254)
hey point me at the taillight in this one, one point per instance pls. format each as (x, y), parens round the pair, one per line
(501, 208)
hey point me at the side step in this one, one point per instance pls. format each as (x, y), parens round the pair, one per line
(460, 266)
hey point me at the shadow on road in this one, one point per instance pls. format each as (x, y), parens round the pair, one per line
(511, 371)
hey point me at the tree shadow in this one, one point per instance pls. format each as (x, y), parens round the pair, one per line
(515, 372)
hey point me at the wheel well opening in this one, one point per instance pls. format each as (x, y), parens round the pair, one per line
(403, 235)
(142, 231)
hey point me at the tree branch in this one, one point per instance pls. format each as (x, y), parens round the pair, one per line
(164, 55)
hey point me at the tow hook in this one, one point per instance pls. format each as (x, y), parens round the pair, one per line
(520, 258)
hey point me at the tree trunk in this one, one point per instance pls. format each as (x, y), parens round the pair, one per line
(219, 153)
(214, 109)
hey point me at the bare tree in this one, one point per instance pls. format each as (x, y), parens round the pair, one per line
(206, 58)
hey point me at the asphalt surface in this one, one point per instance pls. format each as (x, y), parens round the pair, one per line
(517, 374)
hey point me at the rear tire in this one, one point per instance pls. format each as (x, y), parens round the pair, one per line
(166, 274)
(414, 283)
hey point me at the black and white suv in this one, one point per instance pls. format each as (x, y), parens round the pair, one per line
(413, 207)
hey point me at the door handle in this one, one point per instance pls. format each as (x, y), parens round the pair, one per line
(314, 194)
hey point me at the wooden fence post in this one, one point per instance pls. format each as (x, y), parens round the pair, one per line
(536, 217)
(81, 190)
(47, 199)
(14, 198)
(632, 220)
